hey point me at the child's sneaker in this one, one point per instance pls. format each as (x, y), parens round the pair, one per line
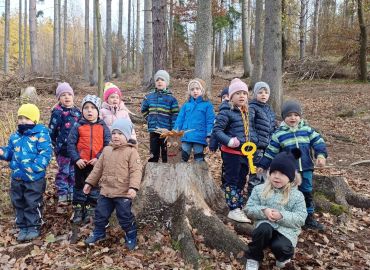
(32, 233)
(238, 215)
(94, 237)
(131, 239)
(280, 264)
(89, 214)
(77, 214)
(252, 265)
(22, 234)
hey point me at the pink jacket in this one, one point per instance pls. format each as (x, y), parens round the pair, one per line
(109, 114)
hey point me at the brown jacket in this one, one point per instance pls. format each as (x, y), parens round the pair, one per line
(118, 169)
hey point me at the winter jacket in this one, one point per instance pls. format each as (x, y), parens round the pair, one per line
(213, 142)
(196, 116)
(118, 169)
(160, 109)
(110, 114)
(294, 212)
(29, 154)
(261, 123)
(303, 137)
(87, 140)
(61, 122)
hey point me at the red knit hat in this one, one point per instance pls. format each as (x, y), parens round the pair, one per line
(110, 89)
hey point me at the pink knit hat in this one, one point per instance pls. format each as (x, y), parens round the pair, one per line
(63, 88)
(237, 85)
(110, 89)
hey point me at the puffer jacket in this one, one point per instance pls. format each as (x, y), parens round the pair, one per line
(110, 114)
(261, 123)
(196, 116)
(118, 169)
(29, 154)
(213, 142)
(294, 212)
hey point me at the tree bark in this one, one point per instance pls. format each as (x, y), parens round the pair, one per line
(315, 32)
(6, 36)
(258, 43)
(108, 39)
(159, 35)
(100, 50)
(56, 40)
(94, 79)
(170, 36)
(247, 62)
(302, 29)
(33, 38)
(363, 42)
(133, 37)
(65, 24)
(220, 67)
(20, 37)
(120, 40)
(25, 37)
(87, 42)
(203, 43)
(128, 53)
(148, 44)
(138, 34)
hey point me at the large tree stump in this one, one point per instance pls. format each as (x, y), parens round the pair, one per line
(183, 197)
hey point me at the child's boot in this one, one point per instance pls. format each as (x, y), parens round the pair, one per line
(96, 236)
(22, 234)
(78, 213)
(89, 214)
(32, 233)
(252, 265)
(131, 238)
(313, 224)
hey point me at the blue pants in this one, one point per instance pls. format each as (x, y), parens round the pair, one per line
(306, 188)
(198, 151)
(65, 177)
(104, 210)
(79, 197)
(26, 198)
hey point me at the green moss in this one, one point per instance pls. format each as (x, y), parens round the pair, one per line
(176, 245)
(337, 209)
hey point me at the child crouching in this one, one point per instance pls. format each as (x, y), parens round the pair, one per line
(118, 173)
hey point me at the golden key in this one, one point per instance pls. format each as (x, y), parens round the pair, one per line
(249, 155)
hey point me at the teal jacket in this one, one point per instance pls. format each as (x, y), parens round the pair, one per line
(294, 212)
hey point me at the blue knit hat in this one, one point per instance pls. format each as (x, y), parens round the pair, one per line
(291, 106)
(123, 125)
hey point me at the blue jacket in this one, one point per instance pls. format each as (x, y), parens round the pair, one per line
(61, 122)
(213, 142)
(303, 137)
(29, 154)
(197, 116)
(160, 109)
(229, 124)
(261, 123)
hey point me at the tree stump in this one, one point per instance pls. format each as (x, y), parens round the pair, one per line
(184, 198)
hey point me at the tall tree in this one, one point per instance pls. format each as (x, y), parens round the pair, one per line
(65, 23)
(25, 36)
(159, 34)
(272, 52)
(94, 78)
(315, 32)
(258, 43)
(247, 62)
(6, 36)
(56, 40)
(133, 37)
(302, 29)
(203, 43)
(128, 53)
(20, 36)
(108, 38)
(148, 43)
(220, 66)
(120, 40)
(87, 42)
(33, 37)
(137, 51)
(170, 36)
(100, 50)
(363, 41)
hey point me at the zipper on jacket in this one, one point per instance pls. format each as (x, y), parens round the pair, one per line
(91, 141)
(300, 159)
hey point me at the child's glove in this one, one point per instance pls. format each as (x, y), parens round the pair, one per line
(234, 142)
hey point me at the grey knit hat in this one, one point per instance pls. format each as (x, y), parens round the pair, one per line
(259, 85)
(96, 101)
(123, 125)
(163, 75)
(289, 107)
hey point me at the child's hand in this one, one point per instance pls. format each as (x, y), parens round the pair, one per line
(81, 163)
(87, 189)
(268, 214)
(234, 142)
(320, 162)
(276, 215)
(259, 170)
(131, 193)
(93, 161)
(1, 152)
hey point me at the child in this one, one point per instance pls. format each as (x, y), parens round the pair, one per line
(160, 109)
(292, 133)
(279, 211)
(29, 152)
(63, 117)
(196, 116)
(113, 107)
(118, 172)
(85, 144)
(231, 130)
(261, 127)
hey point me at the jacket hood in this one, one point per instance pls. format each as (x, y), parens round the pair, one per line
(124, 145)
(224, 106)
(284, 126)
(38, 128)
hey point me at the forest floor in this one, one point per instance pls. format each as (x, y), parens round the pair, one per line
(340, 110)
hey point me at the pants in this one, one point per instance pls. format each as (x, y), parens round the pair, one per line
(105, 208)
(198, 151)
(254, 179)
(27, 200)
(78, 196)
(65, 177)
(265, 236)
(157, 146)
(306, 188)
(235, 178)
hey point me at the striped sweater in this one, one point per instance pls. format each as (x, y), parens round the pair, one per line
(303, 137)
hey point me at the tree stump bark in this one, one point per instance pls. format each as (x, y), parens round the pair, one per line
(183, 197)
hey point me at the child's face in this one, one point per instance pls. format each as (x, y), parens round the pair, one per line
(239, 98)
(22, 120)
(118, 138)
(160, 84)
(66, 99)
(195, 92)
(292, 119)
(263, 95)
(113, 99)
(90, 112)
(278, 179)
(225, 97)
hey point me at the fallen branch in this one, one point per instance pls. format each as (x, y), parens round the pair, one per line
(361, 162)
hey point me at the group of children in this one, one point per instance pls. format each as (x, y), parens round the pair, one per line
(100, 168)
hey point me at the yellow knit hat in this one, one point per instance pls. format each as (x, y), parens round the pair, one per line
(30, 111)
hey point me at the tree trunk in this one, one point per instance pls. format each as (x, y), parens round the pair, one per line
(20, 37)
(128, 53)
(258, 43)
(315, 32)
(302, 29)
(363, 42)
(56, 52)
(25, 37)
(203, 43)
(87, 42)
(148, 44)
(220, 66)
(33, 38)
(60, 32)
(6, 36)
(94, 79)
(213, 54)
(247, 62)
(133, 42)
(120, 41)
(184, 198)
(159, 34)
(100, 50)
(108, 39)
(138, 35)
(272, 52)
(170, 36)
(65, 24)
(285, 32)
